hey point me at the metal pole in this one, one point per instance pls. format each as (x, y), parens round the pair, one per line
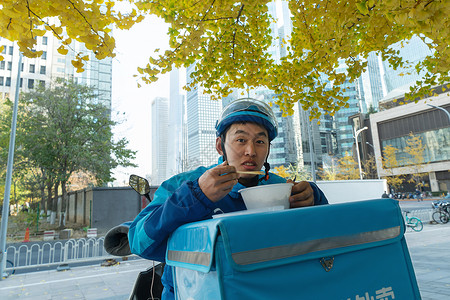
(357, 151)
(311, 151)
(441, 108)
(9, 169)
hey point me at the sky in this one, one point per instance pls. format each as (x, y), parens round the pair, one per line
(133, 48)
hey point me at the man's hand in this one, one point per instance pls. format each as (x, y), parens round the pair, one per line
(217, 182)
(302, 194)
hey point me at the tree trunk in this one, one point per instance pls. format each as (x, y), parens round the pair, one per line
(55, 204)
(42, 202)
(62, 216)
(48, 207)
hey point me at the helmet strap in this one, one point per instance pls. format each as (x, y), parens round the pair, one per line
(266, 167)
(222, 143)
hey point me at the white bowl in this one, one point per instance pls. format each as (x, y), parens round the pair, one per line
(267, 195)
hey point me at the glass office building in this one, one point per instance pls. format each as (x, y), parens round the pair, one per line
(393, 126)
(160, 120)
(431, 126)
(201, 135)
(414, 51)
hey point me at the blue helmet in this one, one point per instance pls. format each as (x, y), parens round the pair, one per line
(248, 110)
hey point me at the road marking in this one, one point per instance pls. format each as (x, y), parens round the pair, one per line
(68, 279)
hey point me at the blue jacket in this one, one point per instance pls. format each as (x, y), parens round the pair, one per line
(179, 200)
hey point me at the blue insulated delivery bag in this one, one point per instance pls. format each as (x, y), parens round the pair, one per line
(349, 251)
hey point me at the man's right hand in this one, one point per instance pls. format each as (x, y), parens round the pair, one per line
(217, 182)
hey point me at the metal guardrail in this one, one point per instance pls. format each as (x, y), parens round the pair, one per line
(55, 253)
(425, 215)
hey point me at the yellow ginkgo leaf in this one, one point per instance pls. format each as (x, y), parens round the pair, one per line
(62, 50)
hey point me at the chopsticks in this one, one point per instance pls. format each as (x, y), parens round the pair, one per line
(251, 172)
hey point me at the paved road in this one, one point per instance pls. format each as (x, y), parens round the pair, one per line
(429, 252)
(414, 204)
(91, 282)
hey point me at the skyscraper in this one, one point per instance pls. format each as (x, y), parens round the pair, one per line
(372, 85)
(285, 148)
(414, 50)
(344, 128)
(313, 140)
(160, 120)
(175, 126)
(274, 48)
(202, 115)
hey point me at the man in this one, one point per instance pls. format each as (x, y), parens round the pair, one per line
(244, 132)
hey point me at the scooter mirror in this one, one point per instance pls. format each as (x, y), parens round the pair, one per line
(139, 184)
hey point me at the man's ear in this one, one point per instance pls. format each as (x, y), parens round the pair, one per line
(219, 145)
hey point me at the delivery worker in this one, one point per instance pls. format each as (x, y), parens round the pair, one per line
(244, 131)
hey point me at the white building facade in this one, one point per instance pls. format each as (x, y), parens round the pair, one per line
(51, 65)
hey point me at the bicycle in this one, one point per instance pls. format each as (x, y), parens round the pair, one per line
(441, 212)
(413, 222)
(9, 269)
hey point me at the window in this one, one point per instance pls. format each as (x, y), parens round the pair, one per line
(44, 55)
(9, 66)
(1, 80)
(2, 65)
(31, 68)
(4, 49)
(11, 50)
(8, 81)
(20, 82)
(60, 70)
(61, 60)
(21, 69)
(42, 70)
(30, 83)
(42, 83)
(44, 40)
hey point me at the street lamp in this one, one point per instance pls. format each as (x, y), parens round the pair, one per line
(443, 109)
(9, 170)
(357, 132)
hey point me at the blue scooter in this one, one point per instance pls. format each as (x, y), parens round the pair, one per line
(148, 283)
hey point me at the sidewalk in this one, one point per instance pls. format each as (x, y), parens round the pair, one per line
(430, 254)
(429, 249)
(91, 282)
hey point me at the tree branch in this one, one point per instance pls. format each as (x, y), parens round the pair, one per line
(429, 2)
(87, 22)
(49, 26)
(29, 17)
(206, 13)
(79, 12)
(235, 30)
(216, 19)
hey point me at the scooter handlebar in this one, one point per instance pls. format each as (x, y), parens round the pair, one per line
(116, 241)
